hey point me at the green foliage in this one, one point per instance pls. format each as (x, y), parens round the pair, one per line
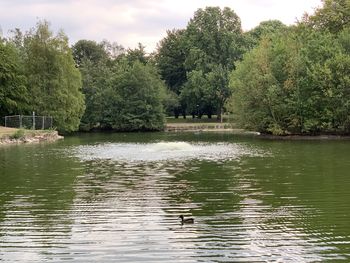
(215, 41)
(19, 134)
(136, 98)
(13, 93)
(122, 93)
(195, 62)
(137, 54)
(95, 67)
(334, 16)
(171, 57)
(53, 82)
(297, 82)
(88, 50)
(171, 102)
(197, 95)
(263, 30)
(214, 36)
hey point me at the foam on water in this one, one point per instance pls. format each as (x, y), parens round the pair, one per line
(163, 151)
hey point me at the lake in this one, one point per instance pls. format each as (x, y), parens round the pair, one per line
(117, 198)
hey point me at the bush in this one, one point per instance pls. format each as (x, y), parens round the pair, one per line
(19, 134)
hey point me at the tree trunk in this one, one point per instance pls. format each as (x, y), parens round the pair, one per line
(176, 113)
(220, 117)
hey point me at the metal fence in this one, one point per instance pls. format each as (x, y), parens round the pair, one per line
(28, 122)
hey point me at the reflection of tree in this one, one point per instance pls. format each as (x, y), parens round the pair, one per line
(37, 191)
(208, 185)
(285, 203)
(310, 181)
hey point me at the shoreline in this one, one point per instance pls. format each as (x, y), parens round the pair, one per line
(29, 137)
(330, 137)
(226, 127)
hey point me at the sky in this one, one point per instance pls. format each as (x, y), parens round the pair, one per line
(129, 22)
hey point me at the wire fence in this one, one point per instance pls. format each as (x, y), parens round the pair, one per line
(28, 122)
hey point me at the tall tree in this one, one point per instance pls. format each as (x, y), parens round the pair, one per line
(170, 60)
(13, 92)
(171, 56)
(334, 15)
(137, 54)
(215, 37)
(135, 99)
(215, 42)
(95, 66)
(53, 80)
(88, 50)
(264, 29)
(295, 83)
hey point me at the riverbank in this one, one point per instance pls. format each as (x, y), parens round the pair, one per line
(179, 127)
(304, 137)
(18, 136)
(207, 127)
(228, 127)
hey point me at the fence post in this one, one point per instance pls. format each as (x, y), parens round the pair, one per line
(43, 123)
(33, 120)
(20, 121)
(5, 121)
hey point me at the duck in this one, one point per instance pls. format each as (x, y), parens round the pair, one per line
(187, 220)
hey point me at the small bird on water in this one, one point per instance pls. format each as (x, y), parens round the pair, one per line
(187, 220)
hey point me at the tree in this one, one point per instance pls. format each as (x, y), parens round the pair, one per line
(89, 50)
(53, 80)
(170, 57)
(334, 15)
(215, 43)
(13, 92)
(264, 29)
(113, 50)
(95, 67)
(170, 60)
(135, 100)
(197, 94)
(294, 83)
(96, 80)
(137, 54)
(215, 34)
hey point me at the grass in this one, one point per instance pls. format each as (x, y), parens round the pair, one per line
(19, 134)
(7, 132)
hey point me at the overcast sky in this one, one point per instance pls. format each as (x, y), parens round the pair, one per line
(129, 22)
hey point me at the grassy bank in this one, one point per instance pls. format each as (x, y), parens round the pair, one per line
(7, 132)
(15, 136)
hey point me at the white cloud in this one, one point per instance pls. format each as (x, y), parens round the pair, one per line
(133, 21)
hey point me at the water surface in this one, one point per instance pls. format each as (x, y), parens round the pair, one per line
(117, 198)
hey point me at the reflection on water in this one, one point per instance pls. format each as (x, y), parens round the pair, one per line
(120, 201)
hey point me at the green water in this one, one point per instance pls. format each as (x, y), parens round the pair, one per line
(117, 198)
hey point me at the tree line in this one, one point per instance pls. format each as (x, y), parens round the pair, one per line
(274, 78)
(297, 81)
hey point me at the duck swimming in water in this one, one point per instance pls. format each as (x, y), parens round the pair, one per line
(187, 220)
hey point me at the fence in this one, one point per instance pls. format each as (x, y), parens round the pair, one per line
(28, 122)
